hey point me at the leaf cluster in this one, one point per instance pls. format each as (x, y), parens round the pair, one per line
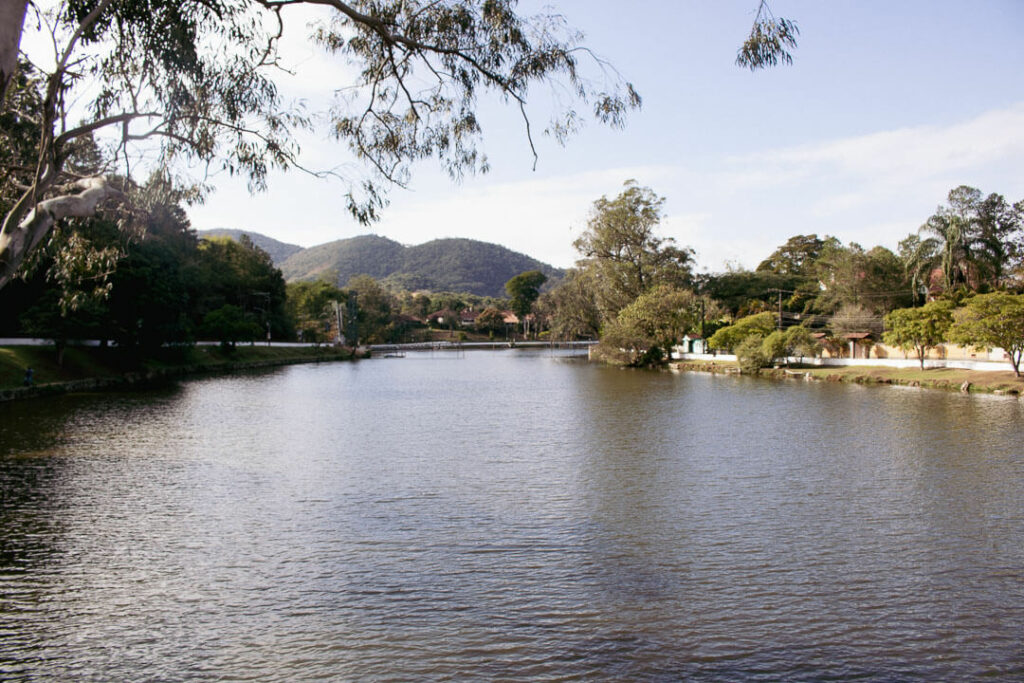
(769, 41)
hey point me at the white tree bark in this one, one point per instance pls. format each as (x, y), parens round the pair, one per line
(12, 18)
(16, 244)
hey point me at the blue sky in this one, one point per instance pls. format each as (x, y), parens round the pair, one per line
(887, 107)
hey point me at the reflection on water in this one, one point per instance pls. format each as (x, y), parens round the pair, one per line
(511, 515)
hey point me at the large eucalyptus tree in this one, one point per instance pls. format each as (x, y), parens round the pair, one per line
(198, 77)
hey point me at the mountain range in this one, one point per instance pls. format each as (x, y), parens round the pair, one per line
(441, 265)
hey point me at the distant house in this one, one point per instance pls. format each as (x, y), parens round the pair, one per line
(850, 345)
(468, 318)
(692, 343)
(860, 344)
(443, 318)
(510, 318)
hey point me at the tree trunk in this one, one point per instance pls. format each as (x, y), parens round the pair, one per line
(17, 242)
(12, 19)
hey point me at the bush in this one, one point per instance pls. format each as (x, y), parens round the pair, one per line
(751, 356)
(732, 336)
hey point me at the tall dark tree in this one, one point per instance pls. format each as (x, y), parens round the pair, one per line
(624, 253)
(797, 256)
(524, 289)
(972, 241)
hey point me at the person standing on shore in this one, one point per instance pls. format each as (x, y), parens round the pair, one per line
(28, 377)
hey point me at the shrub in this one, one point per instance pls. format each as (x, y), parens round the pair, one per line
(751, 356)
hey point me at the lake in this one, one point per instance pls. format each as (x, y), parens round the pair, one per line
(511, 515)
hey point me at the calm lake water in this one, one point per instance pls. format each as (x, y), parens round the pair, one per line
(511, 515)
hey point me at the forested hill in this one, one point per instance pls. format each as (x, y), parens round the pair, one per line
(451, 265)
(279, 251)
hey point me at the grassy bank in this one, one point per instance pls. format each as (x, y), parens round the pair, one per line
(949, 379)
(97, 368)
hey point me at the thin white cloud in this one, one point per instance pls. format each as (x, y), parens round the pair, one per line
(906, 155)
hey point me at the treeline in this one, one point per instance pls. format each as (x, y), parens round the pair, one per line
(140, 279)
(637, 291)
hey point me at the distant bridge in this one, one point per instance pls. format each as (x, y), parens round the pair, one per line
(384, 349)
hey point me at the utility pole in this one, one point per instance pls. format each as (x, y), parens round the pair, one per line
(780, 310)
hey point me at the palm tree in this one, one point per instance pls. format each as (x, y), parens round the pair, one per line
(920, 258)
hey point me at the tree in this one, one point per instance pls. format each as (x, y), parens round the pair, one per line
(796, 256)
(490, 320)
(851, 318)
(230, 325)
(648, 328)
(796, 340)
(311, 307)
(524, 290)
(241, 274)
(918, 329)
(195, 77)
(972, 241)
(374, 305)
(622, 252)
(731, 336)
(851, 276)
(742, 292)
(992, 320)
(571, 309)
(751, 355)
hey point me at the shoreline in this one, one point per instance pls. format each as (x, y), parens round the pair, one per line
(945, 379)
(103, 370)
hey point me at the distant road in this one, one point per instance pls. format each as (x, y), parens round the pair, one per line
(26, 341)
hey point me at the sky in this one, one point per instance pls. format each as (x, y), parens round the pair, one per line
(886, 108)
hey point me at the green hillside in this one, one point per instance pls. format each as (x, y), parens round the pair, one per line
(464, 265)
(364, 255)
(279, 251)
(454, 265)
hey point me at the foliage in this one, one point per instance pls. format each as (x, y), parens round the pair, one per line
(800, 341)
(570, 308)
(769, 41)
(992, 320)
(751, 355)
(796, 256)
(795, 341)
(849, 276)
(311, 308)
(918, 329)
(490, 320)
(743, 292)
(375, 306)
(649, 327)
(229, 325)
(196, 78)
(243, 275)
(524, 289)
(623, 254)
(730, 337)
(972, 241)
(852, 318)
(277, 250)
(48, 319)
